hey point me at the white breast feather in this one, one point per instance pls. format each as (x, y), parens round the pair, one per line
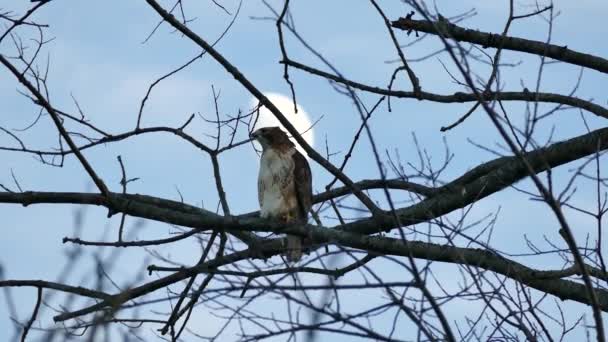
(273, 167)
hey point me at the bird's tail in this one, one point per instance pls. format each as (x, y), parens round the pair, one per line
(294, 248)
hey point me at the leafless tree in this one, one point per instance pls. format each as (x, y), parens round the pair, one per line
(391, 258)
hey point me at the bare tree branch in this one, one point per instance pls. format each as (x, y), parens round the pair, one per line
(449, 30)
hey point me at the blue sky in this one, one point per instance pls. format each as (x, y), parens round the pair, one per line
(98, 57)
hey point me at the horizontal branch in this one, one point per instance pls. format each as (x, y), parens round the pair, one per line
(368, 184)
(561, 288)
(364, 286)
(150, 203)
(460, 97)
(115, 138)
(478, 183)
(474, 185)
(486, 39)
(484, 259)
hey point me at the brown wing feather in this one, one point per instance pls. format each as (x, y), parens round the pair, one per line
(302, 185)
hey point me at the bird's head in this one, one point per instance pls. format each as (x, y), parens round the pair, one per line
(268, 136)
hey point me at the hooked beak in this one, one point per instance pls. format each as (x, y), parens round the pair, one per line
(254, 135)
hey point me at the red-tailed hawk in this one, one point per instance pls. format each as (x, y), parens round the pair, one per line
(284, 184)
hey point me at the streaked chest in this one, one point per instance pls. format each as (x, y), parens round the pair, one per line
(275, 166)
(275, 183)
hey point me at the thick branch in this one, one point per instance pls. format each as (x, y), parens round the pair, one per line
(489, 178)
(474, 185)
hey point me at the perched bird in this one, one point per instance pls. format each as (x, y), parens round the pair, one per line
(284, 184)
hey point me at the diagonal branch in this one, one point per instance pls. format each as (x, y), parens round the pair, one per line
(487, 179)
(29, 323)
(486, 39)
(81, 291)
(64, 134)
(266, 103)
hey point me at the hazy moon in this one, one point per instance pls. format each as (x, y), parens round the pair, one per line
(300, 120)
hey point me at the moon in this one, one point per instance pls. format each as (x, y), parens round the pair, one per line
(300, 120)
